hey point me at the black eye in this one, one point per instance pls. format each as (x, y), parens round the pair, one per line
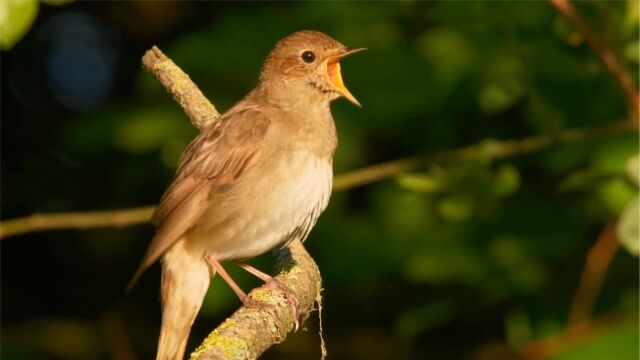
(308, 56)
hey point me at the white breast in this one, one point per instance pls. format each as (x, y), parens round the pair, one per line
(271, 207)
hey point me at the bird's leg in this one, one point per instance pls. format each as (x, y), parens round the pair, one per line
(246, 299)
(257, 273)
(271, 282)
(218, 267)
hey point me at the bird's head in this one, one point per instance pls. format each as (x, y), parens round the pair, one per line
(307, 63)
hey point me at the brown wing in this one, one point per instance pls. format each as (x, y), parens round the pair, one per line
(217, 157)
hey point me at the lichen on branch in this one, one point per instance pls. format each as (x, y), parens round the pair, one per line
(201, 112)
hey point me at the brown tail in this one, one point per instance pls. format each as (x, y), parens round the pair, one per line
(185, 279)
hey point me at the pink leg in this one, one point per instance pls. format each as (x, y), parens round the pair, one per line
(273, 283)
(259, 274)
(246, 300)
(218, 267)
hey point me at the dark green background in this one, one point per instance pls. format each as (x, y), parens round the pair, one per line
(458, 259)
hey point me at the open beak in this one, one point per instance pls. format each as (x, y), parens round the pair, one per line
(335, 78)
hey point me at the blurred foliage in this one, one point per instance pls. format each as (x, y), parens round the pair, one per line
(456, 259)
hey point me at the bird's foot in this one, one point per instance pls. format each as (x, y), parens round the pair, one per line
(289, 295)
(270, 309)
(249, 302)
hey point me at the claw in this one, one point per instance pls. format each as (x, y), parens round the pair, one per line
(266, 307)
(291, 298)
(271, 282)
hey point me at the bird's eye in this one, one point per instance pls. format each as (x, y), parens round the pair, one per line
(308, 56)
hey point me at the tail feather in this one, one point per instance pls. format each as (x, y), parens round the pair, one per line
(185, 280)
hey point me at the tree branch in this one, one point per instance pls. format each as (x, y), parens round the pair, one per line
(606, 55)
(489, 149)
(201, 112)
(252, 330)
(593, 274)
(75, 220)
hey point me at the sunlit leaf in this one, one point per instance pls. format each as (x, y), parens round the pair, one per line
(633, 168)
(628, 228)
(503, 85)
(632, 17)
(16, 17)
(506, 181)
(632, 52)
(615, 194)
(612, 156)
(577, 180)
(419, 183)
(455, 208)
(619, 343)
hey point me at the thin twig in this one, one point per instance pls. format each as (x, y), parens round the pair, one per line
(606, 55)
(580, 324)
(488, 150)
(595, 269)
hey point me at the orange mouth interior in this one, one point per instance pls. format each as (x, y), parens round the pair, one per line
(335, 78)
(333, 71)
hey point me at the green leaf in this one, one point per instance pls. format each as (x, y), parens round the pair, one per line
(498, 96)
(16, 17)
(577, 180)
(612, 156)
(506, 181)
(421, 183)
(619, 343)
(502, 86)
(615, 194)
(632, 17)
(628, 229)
(632, 52)
(455, 208)
(633, 168)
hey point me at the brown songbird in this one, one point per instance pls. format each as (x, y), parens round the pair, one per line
(256, 179)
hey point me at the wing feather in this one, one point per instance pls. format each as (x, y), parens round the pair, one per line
(218, 157)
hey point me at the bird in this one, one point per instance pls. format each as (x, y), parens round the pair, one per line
(256, 179)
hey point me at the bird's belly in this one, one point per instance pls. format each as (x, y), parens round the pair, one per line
(270, 207)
